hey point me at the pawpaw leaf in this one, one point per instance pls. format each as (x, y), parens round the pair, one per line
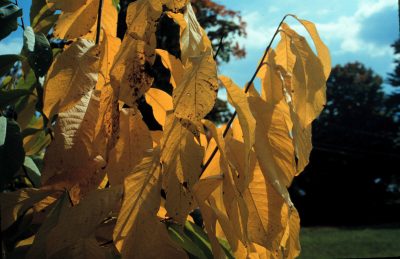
(38, 51)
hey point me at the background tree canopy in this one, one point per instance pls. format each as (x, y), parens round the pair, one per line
(353, 175)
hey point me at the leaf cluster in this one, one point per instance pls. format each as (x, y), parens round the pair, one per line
(112, 186)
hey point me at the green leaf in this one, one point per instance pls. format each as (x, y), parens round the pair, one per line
(179, 237)
(37, 49)
(12, 154)
(11, 96)
(33, 171)
(3, 130)
(7, 62)
(199, 237)
(9, 13)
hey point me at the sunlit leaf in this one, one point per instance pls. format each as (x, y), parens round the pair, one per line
(161, 102)
(133, 143)
(195, 96)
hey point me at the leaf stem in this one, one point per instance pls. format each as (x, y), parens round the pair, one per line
(22, 19)
(100, 10)
(228, 125)
(220, 45)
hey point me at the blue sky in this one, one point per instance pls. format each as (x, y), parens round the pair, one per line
(354, 30)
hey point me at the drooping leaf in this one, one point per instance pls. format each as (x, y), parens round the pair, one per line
(32, 170)
(322, 49)
(72, 159)
(80, 221)
(80, 19)
(83, 248)
(37, 49)
(181, 157)
(180, 238)
(161, 103)
(246, 120)
(15, 204)
(3, 130)
(73, 74)
(290, 241)
(175, 5)
(133, 143)
(8, 97)
(273, 144)
(174, 65)
(272, 91)
(11, 153)
(39, 246)
(193, 40)
(195, 96)
(138, 221)
(128, 73)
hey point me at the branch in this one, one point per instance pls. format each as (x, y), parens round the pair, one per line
(228, 125)
(220, 45)
(99, 21)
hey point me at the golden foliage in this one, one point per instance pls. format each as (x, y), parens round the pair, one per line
(119, 177)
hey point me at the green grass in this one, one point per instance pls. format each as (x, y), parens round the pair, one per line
(327, 242)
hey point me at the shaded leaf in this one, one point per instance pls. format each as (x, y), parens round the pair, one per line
(11, 153)
(80, 221)
(15, 204)
(32, 170)
(138, 221)
(8, 97)
(73, 74)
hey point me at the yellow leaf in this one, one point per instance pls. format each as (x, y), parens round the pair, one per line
(195, 97)
(273, 145)
(291, 242)
(71, 159)
(138, 232)
(161, 102)
(174, 65)
(38, 248)
(84, 248)
(307, 95)
(175, 5)
(308, 80)
(194, 40)
(80, 20)
(128, 73)
(322, 49)
(15, 204)
(82, 220)
(142, 17)
(181, 158)
(133, 143)
(73, 74)
(247, 122)
(272, 91)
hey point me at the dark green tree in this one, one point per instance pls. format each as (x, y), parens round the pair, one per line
(352, 166)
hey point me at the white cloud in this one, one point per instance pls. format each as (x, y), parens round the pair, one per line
(11, 46)
(368, 8)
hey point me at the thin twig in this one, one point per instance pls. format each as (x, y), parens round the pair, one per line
(100, 10)
(228, 125)
(220, 45)
(22, 19)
